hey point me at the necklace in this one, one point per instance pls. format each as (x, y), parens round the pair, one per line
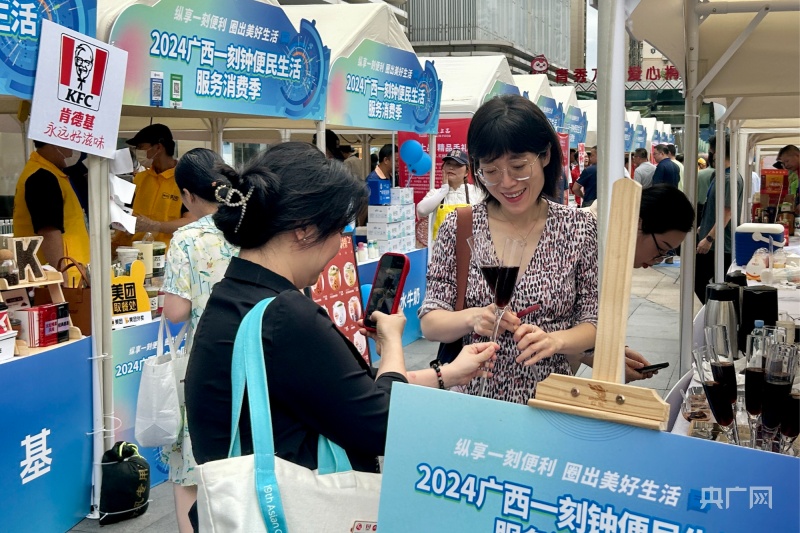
(533, 226)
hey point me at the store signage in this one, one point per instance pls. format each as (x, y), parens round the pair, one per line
(635, 73)
(77, 99)
(20, 31)
(338, 292)
(501, 87)
(130, 305)
(241, 57)
(514, 469)
(384, 88)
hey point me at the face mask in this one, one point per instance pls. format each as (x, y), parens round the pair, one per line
(141, 157)
(71, 160)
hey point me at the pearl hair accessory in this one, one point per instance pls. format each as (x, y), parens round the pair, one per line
(227, 199)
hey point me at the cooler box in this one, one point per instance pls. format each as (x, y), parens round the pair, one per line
(752, 236)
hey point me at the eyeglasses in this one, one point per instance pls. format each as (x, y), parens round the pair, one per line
(662, 253)
(518, 170)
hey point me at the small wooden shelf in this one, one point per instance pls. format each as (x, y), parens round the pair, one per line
(52, 281)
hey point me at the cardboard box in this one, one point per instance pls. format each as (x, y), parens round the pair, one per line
(62, 316)
(409, 243)
(386, 213)
(380, 192)
(392, 245)
(409, 228)
(408, 212)
(402, 196)
(7, 341)
(382, 231)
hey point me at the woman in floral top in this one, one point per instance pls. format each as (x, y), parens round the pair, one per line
(197, 259)
(517, 160)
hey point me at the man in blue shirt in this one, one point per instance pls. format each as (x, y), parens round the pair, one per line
(666, 171)
(586, 186)
(708, 236)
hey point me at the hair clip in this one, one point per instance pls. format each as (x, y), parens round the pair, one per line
(227, 200)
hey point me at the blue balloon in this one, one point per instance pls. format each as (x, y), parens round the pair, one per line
(423, 166)
(411, 152)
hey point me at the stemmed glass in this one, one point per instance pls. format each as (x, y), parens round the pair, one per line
(790, 422)
(500, 272)
(722, 367)
(754, 382)
(778, 375)
(716, 393)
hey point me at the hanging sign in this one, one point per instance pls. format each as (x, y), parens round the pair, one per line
(629, 132)
(550, 109)
(499, 88)
(574, 124)
(384, 88)
(77, 100)
(513, 469)
(640, 137)
(237, 57)
(20, 30)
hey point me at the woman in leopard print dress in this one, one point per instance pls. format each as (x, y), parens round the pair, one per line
(518, 160)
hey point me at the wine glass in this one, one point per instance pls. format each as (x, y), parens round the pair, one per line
(790, 422)
(778, 375)
(722, 365)
(754, 382)
(716, 393)
(500, 271)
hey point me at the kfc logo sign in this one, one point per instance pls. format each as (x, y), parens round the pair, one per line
(82, 71)
(539, 65)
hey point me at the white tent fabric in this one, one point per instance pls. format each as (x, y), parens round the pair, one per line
(467, 80)
(565, 95)
(590, 108)
(649, 124)
(536, 84)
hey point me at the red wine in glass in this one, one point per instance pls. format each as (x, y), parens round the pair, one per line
(490, 275)
(502, 279)
(790, 421)
(753, 390)
(776, 391)
(725, 374)
(719, 402)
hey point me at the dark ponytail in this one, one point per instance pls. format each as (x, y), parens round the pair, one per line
(286, 187)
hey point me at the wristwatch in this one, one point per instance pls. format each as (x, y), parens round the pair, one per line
(709, 238)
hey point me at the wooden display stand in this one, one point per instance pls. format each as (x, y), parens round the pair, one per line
(32, 275)
(605, 396)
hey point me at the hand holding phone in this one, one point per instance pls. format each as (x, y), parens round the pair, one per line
(387, 287)
(651, 368)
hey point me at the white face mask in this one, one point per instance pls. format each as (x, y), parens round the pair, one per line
(71, 160)
(141, 157)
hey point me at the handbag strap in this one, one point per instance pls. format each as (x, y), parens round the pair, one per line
(248, 369)
(172, 342)
(463, 232)
(65, 263)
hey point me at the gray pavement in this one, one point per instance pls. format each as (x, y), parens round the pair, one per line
(652, 330)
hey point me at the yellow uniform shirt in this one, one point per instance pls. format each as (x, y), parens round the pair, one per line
(158, 198)
(75, 236)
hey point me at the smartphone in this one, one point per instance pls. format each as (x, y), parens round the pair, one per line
(387, 287)
(657, 366)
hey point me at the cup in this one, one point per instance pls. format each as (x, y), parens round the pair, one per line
(146, 248)
(127, 255)
(716, 393)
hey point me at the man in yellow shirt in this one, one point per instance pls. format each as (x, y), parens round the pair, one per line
(45, 204)
(157, 204)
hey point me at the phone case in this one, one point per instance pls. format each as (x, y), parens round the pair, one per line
(400, 284)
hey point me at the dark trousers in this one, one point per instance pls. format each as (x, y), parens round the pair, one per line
(704, 272)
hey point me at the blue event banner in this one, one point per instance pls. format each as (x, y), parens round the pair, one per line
(629, 132)
(46, 440)
(640, 137)
(551, 110)
(479, 465)
(575, 122)
(241, 57)
(20, 27)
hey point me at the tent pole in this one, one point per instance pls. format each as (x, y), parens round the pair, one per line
(734, 187)
(691, 138)
(217, 128)
(100, 252)
(610, 109)
(365, 159)
(432, 185)
(719, 239)
(320, 125)
(286, 135)
(394, 170)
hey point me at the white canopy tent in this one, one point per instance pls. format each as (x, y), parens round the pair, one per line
(462, 93)
(730, 49)
(565, 95)
(649, 124)
(535, 84)
(590, 108)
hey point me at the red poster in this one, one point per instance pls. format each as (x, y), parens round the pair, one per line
(452, 134)
(563, 141)
(338, 291)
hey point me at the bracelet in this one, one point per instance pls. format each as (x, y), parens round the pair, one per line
(436, 366)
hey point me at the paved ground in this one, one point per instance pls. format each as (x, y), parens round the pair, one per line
(652, 330)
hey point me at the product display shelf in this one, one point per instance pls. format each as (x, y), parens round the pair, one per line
(52, 281)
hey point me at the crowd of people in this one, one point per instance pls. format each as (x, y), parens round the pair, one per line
(268, 228)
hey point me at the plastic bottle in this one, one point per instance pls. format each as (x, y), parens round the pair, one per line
(758, 329)
(361, 253)
(372, 250)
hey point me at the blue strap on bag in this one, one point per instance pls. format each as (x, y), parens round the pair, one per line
(247, 368)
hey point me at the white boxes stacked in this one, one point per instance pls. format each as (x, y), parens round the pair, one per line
(394, 226)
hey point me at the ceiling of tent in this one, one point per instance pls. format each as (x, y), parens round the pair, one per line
(536, 85)
(467, 80)
(766, 63)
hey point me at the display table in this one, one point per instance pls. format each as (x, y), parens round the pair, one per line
(46, 441)
(413, 291)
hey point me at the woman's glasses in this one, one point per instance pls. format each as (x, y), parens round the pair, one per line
(517, 169)
(661, 252)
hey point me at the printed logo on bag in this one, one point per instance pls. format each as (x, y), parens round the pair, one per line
(361, 525)
(82, 72)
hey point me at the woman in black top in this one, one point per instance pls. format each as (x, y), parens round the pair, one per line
(286, 209)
